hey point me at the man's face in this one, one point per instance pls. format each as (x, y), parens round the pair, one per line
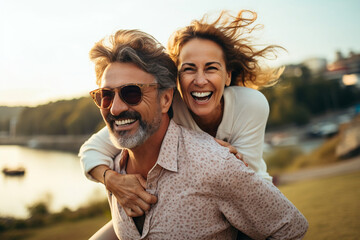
(130, 126)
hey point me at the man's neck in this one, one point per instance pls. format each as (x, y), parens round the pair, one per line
(142, 158)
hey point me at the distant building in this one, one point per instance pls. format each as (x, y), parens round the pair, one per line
(293, 70)
(316, 67)
(12, 127)
(345, 69)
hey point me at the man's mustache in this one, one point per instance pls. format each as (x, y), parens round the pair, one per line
(126, 114)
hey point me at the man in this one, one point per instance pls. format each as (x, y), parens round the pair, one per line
(203, 191)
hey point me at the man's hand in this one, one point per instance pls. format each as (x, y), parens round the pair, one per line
(232, 150)
(129, 191)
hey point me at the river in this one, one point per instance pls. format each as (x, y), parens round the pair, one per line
(52, 176)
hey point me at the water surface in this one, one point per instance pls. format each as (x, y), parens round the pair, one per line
(50, 175)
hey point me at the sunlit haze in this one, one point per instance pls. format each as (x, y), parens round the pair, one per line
(45, 44)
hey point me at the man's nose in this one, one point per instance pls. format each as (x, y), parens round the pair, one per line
(200, 79)
(118, 106)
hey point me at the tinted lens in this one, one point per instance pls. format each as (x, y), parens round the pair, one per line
(104, 98)
(131, 94)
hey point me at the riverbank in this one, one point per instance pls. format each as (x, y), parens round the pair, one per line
(68, 143)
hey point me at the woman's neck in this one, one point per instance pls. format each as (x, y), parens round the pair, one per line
(211, 122)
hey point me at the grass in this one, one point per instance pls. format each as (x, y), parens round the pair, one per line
(331, 205)
(70, 230)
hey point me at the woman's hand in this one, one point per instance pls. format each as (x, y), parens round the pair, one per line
(232, 150)
(129, 191)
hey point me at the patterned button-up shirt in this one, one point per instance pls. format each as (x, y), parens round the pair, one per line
(204, 192)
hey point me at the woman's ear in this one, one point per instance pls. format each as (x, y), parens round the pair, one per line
(228, 79)
(166, 99)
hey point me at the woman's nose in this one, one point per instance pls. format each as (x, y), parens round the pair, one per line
(118, 106)
(200, 79)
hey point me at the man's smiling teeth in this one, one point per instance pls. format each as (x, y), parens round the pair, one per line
(124, 121)
(200, 94)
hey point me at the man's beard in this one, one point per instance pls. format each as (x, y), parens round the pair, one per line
(125, 139)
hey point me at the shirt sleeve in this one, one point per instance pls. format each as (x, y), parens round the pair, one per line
(248, 133)
(256, 207)
(97, 150)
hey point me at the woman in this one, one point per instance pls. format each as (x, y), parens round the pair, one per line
(215, 62)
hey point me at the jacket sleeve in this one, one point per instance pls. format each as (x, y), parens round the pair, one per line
(97, 150)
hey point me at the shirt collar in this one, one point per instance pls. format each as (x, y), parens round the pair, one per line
(122, 159)
(169, 148)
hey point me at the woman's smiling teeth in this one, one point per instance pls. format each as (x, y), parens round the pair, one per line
(124, 122)
(201, 96)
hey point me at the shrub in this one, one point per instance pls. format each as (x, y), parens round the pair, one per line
(325, 154)
(281, 158)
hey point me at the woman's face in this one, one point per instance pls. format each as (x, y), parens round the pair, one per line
(202, 77)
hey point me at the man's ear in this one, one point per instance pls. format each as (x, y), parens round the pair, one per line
(166, 99)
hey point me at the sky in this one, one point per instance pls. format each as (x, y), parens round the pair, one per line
(44, 44)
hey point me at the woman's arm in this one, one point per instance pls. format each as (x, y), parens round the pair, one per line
(96, 151)
(251, 111)
(96, 156)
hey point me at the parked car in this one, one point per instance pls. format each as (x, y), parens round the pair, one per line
(323, 129)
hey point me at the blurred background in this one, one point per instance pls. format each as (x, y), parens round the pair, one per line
(312, 144)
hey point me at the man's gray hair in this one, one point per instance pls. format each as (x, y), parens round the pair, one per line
(139, 48)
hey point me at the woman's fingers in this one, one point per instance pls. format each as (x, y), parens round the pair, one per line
(222, 143)
(232, 150)
(133, 204)
(133, 211)
(241, 158)
(137, 205)
(141, 180)
(130, 193)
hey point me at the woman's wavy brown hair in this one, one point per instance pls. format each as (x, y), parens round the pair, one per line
(232, 34)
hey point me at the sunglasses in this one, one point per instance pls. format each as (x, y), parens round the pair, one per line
(130, 94)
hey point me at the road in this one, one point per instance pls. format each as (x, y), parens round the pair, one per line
(339, 168)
